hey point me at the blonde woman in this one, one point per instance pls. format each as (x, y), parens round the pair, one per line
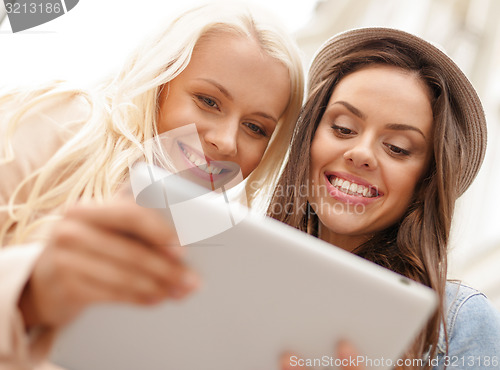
(227, 69)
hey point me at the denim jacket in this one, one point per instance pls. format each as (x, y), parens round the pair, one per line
(473, 331)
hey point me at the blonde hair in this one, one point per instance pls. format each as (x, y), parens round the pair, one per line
(123, 114)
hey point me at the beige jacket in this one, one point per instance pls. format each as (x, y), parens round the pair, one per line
(40, 135)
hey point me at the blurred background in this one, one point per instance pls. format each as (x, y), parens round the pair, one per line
(91, 40)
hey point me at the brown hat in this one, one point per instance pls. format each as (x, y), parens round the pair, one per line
(460, 87)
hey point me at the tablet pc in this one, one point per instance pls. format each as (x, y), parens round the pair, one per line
(267, 289)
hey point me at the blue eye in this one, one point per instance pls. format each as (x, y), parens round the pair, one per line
(209, 102)
(255, 129)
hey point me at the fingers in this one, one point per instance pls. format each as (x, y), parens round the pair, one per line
(120, 263)
(346, 358)
(132, 220)
(346, 353)
(117, 252)
(129, 253)
(123, 282)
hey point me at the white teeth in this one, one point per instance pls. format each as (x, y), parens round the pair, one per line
(351, 188)
(200, 163)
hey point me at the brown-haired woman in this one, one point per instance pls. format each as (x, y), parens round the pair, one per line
(392, 133)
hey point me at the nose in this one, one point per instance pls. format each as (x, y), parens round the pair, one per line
(361, 155)
(223, 138)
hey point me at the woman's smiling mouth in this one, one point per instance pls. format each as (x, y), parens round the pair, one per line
(349, 189)
(206, 172)
(352, 188)
(198, 161)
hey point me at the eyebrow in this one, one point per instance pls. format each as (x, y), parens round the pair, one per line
(221, 88)
(403, 127)
(351, 108)
(226, 93)
(390, 126)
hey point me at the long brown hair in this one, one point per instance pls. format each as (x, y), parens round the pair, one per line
(417, 245)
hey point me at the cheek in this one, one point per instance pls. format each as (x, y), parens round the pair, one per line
(402, 186)
(324, 150)
(175, 112)
(314, 156)
(317, 153)
(166, 119)
(164, 125)
(250, 156)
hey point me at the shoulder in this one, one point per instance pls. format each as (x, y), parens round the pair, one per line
(464, 301)
(473, 323)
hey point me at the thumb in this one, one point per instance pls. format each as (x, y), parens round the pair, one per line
(347, 355)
